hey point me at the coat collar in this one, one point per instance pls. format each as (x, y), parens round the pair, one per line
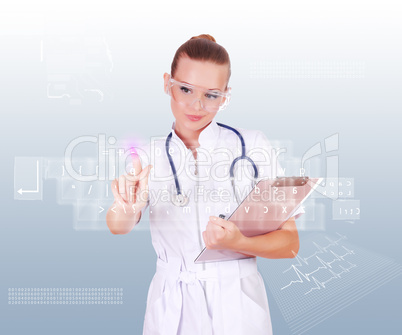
(207, 138)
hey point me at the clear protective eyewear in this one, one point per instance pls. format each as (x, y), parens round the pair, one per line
(187, 94)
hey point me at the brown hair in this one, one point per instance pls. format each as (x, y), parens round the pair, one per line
(202, 47)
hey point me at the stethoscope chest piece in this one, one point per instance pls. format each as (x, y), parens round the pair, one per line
(180, 200)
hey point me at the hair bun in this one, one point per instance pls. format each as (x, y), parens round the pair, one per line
(205, 36)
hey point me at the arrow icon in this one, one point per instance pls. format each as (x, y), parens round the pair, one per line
(102, 209)
(20, 191)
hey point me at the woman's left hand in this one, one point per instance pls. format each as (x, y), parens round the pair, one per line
(221, 234)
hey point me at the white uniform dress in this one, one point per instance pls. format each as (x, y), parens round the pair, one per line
(227, 297)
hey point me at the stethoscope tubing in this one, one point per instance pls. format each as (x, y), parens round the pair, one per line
(231, 171)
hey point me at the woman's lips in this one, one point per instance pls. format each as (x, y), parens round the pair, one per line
(194, 117)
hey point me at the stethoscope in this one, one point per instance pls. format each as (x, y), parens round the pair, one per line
(180, 199)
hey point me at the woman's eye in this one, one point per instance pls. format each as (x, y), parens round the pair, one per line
(211, 96)
(185, 89)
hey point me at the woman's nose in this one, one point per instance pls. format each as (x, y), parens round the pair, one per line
(197, 106)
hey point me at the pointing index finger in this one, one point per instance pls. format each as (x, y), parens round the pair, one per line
(136, 162)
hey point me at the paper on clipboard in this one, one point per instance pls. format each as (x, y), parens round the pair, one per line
(266, 208)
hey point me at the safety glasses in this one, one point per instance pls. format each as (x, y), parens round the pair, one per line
(187, 94)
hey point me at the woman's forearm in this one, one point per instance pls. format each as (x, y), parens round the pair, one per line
(282, 243)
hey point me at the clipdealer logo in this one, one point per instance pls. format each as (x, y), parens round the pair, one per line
(112, 161)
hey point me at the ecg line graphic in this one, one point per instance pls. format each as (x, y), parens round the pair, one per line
(325, 265)
(323, 283)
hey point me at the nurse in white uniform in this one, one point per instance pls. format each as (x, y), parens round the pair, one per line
(185, 195)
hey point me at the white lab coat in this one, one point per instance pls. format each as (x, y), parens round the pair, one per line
(211, 298)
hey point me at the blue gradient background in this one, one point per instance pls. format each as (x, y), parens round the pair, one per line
(39, 248)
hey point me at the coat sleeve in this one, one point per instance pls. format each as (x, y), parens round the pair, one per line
(265, 157)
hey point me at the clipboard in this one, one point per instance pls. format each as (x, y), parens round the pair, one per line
(270, 203)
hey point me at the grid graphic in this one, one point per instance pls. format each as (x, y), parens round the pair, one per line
(299, 69)
(65, 296)
(327, 275)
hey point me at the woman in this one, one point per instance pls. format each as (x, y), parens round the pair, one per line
(223, 297)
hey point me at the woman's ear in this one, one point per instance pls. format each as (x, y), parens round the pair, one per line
(166, 77)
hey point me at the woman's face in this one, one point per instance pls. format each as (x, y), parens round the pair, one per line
(200, 73)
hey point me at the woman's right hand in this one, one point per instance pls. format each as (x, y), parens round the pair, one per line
(130, 193)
